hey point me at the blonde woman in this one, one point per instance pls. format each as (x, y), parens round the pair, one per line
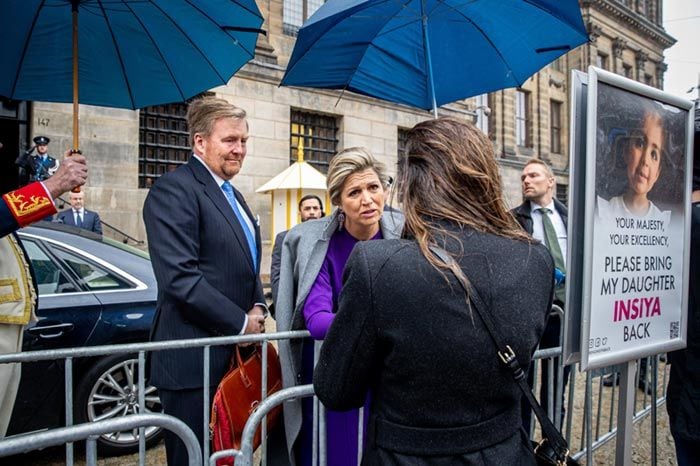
(313, 258)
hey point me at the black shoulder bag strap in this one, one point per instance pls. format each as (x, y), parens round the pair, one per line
(553, 445)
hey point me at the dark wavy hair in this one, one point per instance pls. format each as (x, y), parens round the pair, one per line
(449, 173)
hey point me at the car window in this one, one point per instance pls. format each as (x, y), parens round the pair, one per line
(91, 274)
(126, 247)
(49, 277)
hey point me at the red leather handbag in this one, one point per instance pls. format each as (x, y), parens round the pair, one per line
(237, 396)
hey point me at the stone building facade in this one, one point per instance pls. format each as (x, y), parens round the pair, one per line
(128, 149)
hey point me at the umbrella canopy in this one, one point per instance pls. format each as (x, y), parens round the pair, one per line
(132, 53)
(426, 53)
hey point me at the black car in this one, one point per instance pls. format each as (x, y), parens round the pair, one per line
(92, 291)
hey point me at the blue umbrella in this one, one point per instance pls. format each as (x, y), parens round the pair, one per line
(426, 53)
(131, 54)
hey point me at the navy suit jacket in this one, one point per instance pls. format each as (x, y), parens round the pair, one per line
(91, 220)
(205, 274)
(524, 217)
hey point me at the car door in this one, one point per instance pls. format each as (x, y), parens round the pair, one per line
(67, 316)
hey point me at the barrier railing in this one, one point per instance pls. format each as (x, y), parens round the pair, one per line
(69, 354)
(89, 431)
(595, 429)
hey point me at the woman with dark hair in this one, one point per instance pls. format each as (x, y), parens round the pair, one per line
(405, 330)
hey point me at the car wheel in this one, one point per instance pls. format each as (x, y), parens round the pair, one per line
(109, 390)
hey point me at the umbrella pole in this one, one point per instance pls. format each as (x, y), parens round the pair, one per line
(429, 61)
(76, 108)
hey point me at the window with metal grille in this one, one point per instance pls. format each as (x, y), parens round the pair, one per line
(319, 136)
(601, 61)
(557, 64)
(492, 106)
(627, 70)
(295, 12)
(563, 193)
(163, 141)
(555, 126)
(522, 118)
(401, 141)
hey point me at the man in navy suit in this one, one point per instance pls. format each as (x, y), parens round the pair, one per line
(205, 248)
(79, 216)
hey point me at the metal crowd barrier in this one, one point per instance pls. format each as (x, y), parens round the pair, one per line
(89, 431)
(69, 354)
(586, 432)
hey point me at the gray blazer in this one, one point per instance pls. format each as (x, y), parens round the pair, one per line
(303, 252)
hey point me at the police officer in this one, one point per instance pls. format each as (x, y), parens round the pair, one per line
(44, 165)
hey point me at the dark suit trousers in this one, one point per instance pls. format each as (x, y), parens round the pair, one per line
(551, 338)
(188, 406)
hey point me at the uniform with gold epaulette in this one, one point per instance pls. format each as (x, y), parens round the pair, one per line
(18, 295)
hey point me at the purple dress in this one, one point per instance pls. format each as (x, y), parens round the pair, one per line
(319, 311)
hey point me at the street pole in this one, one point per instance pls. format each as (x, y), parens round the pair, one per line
(625, 414)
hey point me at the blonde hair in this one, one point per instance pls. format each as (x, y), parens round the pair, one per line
(347, 162)
(203, 113)
(547, 168)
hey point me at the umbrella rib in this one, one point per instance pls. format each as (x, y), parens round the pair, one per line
(488, 39)
(381, 33)
(24, 49)
(237, 42)
(119, 54)
(308, 49)
(561, 20)
(189, 39)
(160, 53)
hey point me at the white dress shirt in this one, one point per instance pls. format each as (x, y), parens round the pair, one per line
(538, 227)
(80, 212)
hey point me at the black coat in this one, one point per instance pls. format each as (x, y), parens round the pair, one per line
(202, 263)
(439, 393)
(524, 217)
(683, 394)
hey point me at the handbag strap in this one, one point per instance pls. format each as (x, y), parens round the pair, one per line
(508, 358)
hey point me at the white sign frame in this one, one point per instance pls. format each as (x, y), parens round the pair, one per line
(597, 350)
(571, 347)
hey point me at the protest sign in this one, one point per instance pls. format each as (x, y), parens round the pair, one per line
(636, 221)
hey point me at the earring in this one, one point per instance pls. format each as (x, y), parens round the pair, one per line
(341, 220)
